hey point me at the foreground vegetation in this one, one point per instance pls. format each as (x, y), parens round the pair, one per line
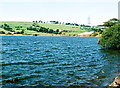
(111, 36)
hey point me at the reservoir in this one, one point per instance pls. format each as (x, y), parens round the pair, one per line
(57, 61)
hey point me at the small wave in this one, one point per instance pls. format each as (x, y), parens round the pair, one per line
(25, 63)
(55, 48)
(47, 55)
(47, 51)
(13, 63)
(68, 67)
(92, 65)
(18, 79)
(2, 52)
(13, 49)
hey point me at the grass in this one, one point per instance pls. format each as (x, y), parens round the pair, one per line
(28, 32)
(74, 30)
(14, 24)
(58, 26)
(4, 30)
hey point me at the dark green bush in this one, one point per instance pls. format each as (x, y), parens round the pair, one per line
(111, 37)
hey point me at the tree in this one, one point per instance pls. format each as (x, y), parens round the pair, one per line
(22, 32)
(46, 30)
(111, 22)
(7, 27)
(111, 37)
(50, 31)
(57, 30)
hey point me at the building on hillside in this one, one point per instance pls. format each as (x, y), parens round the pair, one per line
(119, 10)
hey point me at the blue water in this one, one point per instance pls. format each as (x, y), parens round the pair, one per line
(57, 61)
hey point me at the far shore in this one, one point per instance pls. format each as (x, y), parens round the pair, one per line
(46, 35)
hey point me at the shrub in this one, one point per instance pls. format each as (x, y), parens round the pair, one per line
(111, 37)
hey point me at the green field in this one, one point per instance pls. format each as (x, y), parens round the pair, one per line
(28, 32)
(74, 30)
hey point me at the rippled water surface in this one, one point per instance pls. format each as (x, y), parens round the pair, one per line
(57, 61)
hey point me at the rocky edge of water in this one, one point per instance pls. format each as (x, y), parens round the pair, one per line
(116, 82)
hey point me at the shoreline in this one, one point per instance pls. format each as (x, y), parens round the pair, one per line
(47, 35)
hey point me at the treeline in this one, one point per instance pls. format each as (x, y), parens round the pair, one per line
(57, 22)
(44, 30)
(36, 27)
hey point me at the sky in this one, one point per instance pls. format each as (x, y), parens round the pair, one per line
(74, 11)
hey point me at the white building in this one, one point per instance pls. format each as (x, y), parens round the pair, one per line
(119, 10)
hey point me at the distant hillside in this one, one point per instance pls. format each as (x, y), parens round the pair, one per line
(26, 26)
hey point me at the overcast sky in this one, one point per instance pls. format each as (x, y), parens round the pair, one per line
(76, 11)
